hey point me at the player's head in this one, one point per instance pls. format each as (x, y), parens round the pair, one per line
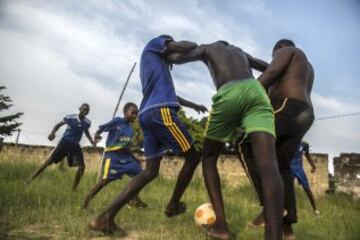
(283, 43)
(130, 111)
(84, 110)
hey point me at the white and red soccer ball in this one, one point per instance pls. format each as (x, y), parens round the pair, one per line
(205, 214)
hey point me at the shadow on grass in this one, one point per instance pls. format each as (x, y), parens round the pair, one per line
(8, 232)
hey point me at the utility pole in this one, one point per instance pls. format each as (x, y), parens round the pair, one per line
(17, 137)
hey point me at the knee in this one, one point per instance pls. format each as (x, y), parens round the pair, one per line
(81, 168)
(150, 174)
(48, 162)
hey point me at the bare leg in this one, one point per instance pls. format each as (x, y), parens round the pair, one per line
(42, 167)
(192, 160)
(245, 155)
(105, 221)
(211, 152)
(78, 176)
(263, 148)
(311, 198)
(102, 183)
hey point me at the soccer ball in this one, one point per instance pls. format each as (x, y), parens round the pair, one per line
(205, 214)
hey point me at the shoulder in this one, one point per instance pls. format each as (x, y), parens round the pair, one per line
(119, 119)
(70, 116)
(86, 120)
(157, 44)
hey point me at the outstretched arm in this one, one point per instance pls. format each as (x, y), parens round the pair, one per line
(196, 107)
(278, 65)
(193, 55)
(256, 63)
(87, 134)
(54, 130)
(310, 160)
(180, 47)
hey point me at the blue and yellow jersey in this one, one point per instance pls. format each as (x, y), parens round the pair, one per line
(120, 134)
(157, 84)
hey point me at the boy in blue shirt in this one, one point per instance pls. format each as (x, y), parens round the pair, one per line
(69, 146)
(161, 128)
(297, 171)
(118, 159)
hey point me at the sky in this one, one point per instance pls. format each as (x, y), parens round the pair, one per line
(55, 55)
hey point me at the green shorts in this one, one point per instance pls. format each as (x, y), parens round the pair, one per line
(243, 104)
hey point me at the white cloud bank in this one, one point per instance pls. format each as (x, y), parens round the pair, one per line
(55, 55)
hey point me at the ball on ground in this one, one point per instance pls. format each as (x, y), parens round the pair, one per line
(204, 214)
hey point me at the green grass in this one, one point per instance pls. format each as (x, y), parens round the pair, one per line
(47, 209)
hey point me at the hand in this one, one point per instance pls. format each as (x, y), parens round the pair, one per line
(51, 136)
(200, 109)
(97, 138)
(313, 170)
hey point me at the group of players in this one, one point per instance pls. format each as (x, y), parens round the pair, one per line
(271, 113)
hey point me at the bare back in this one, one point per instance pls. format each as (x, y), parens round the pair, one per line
(296, 79)
(226, 63)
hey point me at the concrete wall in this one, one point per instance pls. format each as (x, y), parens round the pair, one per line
(229, 166)
(347, 173)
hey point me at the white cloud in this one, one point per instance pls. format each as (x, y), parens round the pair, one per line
(334, 135)
(56, 55)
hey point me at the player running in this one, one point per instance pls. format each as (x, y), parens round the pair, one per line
(118, 159)
(69, 146)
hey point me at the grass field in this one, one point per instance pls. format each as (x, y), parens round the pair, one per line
(47, 209)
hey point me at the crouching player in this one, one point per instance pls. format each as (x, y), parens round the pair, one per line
(118, 159)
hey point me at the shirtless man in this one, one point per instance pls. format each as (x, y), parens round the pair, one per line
(240, 101)
(288, 79)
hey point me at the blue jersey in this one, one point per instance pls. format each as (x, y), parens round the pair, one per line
(120, 134)
(75, 128)
(157, 84)
(296, 162)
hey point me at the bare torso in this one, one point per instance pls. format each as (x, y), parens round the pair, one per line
(296, 81)
(226, 63)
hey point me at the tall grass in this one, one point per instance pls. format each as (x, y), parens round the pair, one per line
(47, 209)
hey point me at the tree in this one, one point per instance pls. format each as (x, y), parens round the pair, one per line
(8, 124)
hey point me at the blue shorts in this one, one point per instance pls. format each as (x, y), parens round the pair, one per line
(116, 165)
(300, 175)
(163, 131)
(72, 151)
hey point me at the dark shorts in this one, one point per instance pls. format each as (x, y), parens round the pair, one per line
(301, 177)
(116, 165)
(163, 131)
(70, 150)
(293, 118)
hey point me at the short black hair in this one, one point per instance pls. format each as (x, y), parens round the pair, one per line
(223, 42)
(128, 105)
(285, 42)
(85, 105)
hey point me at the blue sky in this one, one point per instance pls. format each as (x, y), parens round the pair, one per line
(54, 55)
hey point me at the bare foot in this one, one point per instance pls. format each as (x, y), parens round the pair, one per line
(85, 205)
(288, 232)
(211, 231)
(173, 210)
(103, 224)
(258, 222)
